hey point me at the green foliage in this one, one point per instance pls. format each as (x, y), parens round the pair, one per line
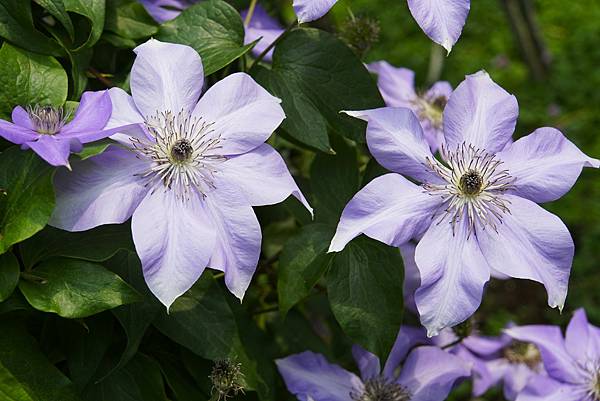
(9, 275)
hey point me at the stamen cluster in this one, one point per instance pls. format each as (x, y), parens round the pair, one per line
(381, 389)
(473, 186)
(431, 109)
(592, 385)
(47, 120)
(521, 352)
(227, 380)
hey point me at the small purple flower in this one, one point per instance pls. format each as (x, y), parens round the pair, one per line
(45, 130)
(310, 10)
(411, 373)
(572, 362)
(262, 27)
(397, 86)
(441, 20)
(189, 176)
(165, 10)
(475, 211)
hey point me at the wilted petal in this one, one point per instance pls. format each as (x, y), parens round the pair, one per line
(101, 190)
(309, 375)
(20, 117)
(543, 388)
(480, 113)
(310, 10)
(390, 209)
(408, 337)
(453, 273)
(579, 339)
(395, 138)
(545, 165)
(429, 373)
(237, 246)
(53, 150)
(166, 76)
(243, 112)
(92, 114)
(531, 243)
(262, 27)
(397, 85)
(367, 363)
(16, 134)
(441, 20)
(262, 176)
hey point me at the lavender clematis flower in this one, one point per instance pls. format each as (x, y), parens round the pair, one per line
(476, 208)
(572, 362)
(397, 86)
(441, 20)
(310, 10)
(45, 130)
(264, 28)
(425, 374)
(165, 10)
(189, 179)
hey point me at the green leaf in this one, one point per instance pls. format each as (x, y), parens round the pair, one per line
(129, 19)
(96, 245)
(28, 78)
(9, 275)
(16, 26)
(201, 320)
(94, 148)
(25, 373)
(73, 288)
(213, 28)
(316, 76)
(302, 263)
(365, 293)
(335, 182)
(94, 12)
(57, 9)
(27, 197)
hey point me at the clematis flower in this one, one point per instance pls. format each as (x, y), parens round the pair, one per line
(572, 362)
(44, 129)
(310, 10)
(475, 210)
(165, 10)
(410, 373)
(397, 86)
(441, 20)
(264, 28)
(188, 178)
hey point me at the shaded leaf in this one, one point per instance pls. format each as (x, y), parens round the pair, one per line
(57, 9)
(9, 275)
(94, 12)
(129, 19)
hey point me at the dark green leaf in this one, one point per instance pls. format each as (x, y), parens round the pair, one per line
(27, 196)
(129, 19)
(73, 288)
(365, 292)
(96, 245)
(93, 11)
(57, 9)
(9, 275)
(213, 28)
(201, 320)
(316, 76)
(302, 263)
(94, 148)
(179, 380)
(28, 78)
(25, 373)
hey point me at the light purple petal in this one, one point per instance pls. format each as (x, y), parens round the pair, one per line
(20, 117)
(453, 273)
(545, 165)
(580, 341)
(243, 112)
(481, 114)
(166, 76)
(100, 190)
(310, 376)
(237, 246)
(412, 280)
(395, 138)
(397, 85)
(531, 243)
(17, 134)
(262, 176)
(92, 114)
(516, 378)
(264, 27)
(542, 388)
(439, 89)
(390, 209)
(310, 10)
(441, 20)
(165, 10)
(486, 374)
(124, 113)
(52, 149)
(174, 239)
(367, 363)
(549, 340)
(429, 373)
(486, 346)
(408, 337)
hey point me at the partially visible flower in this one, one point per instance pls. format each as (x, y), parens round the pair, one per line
(571, 362)
(189, 178)
(262, 27)
(227, 379)
(411, 373)
(441, 20)
(46, 131)
(310, 10)
(165, 10)
(475, 211)
(397, 86)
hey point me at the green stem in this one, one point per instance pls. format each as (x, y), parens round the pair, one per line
(272, 45)
(436, 63)
(250, 13)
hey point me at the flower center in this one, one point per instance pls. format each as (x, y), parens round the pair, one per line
(521, 352)
(381, 389)
(431, 109)
(472, 188)
(47, 120)
(184, 153)
(591, 387)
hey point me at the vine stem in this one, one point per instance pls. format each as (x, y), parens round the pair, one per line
(272, 45)
(250, 13)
